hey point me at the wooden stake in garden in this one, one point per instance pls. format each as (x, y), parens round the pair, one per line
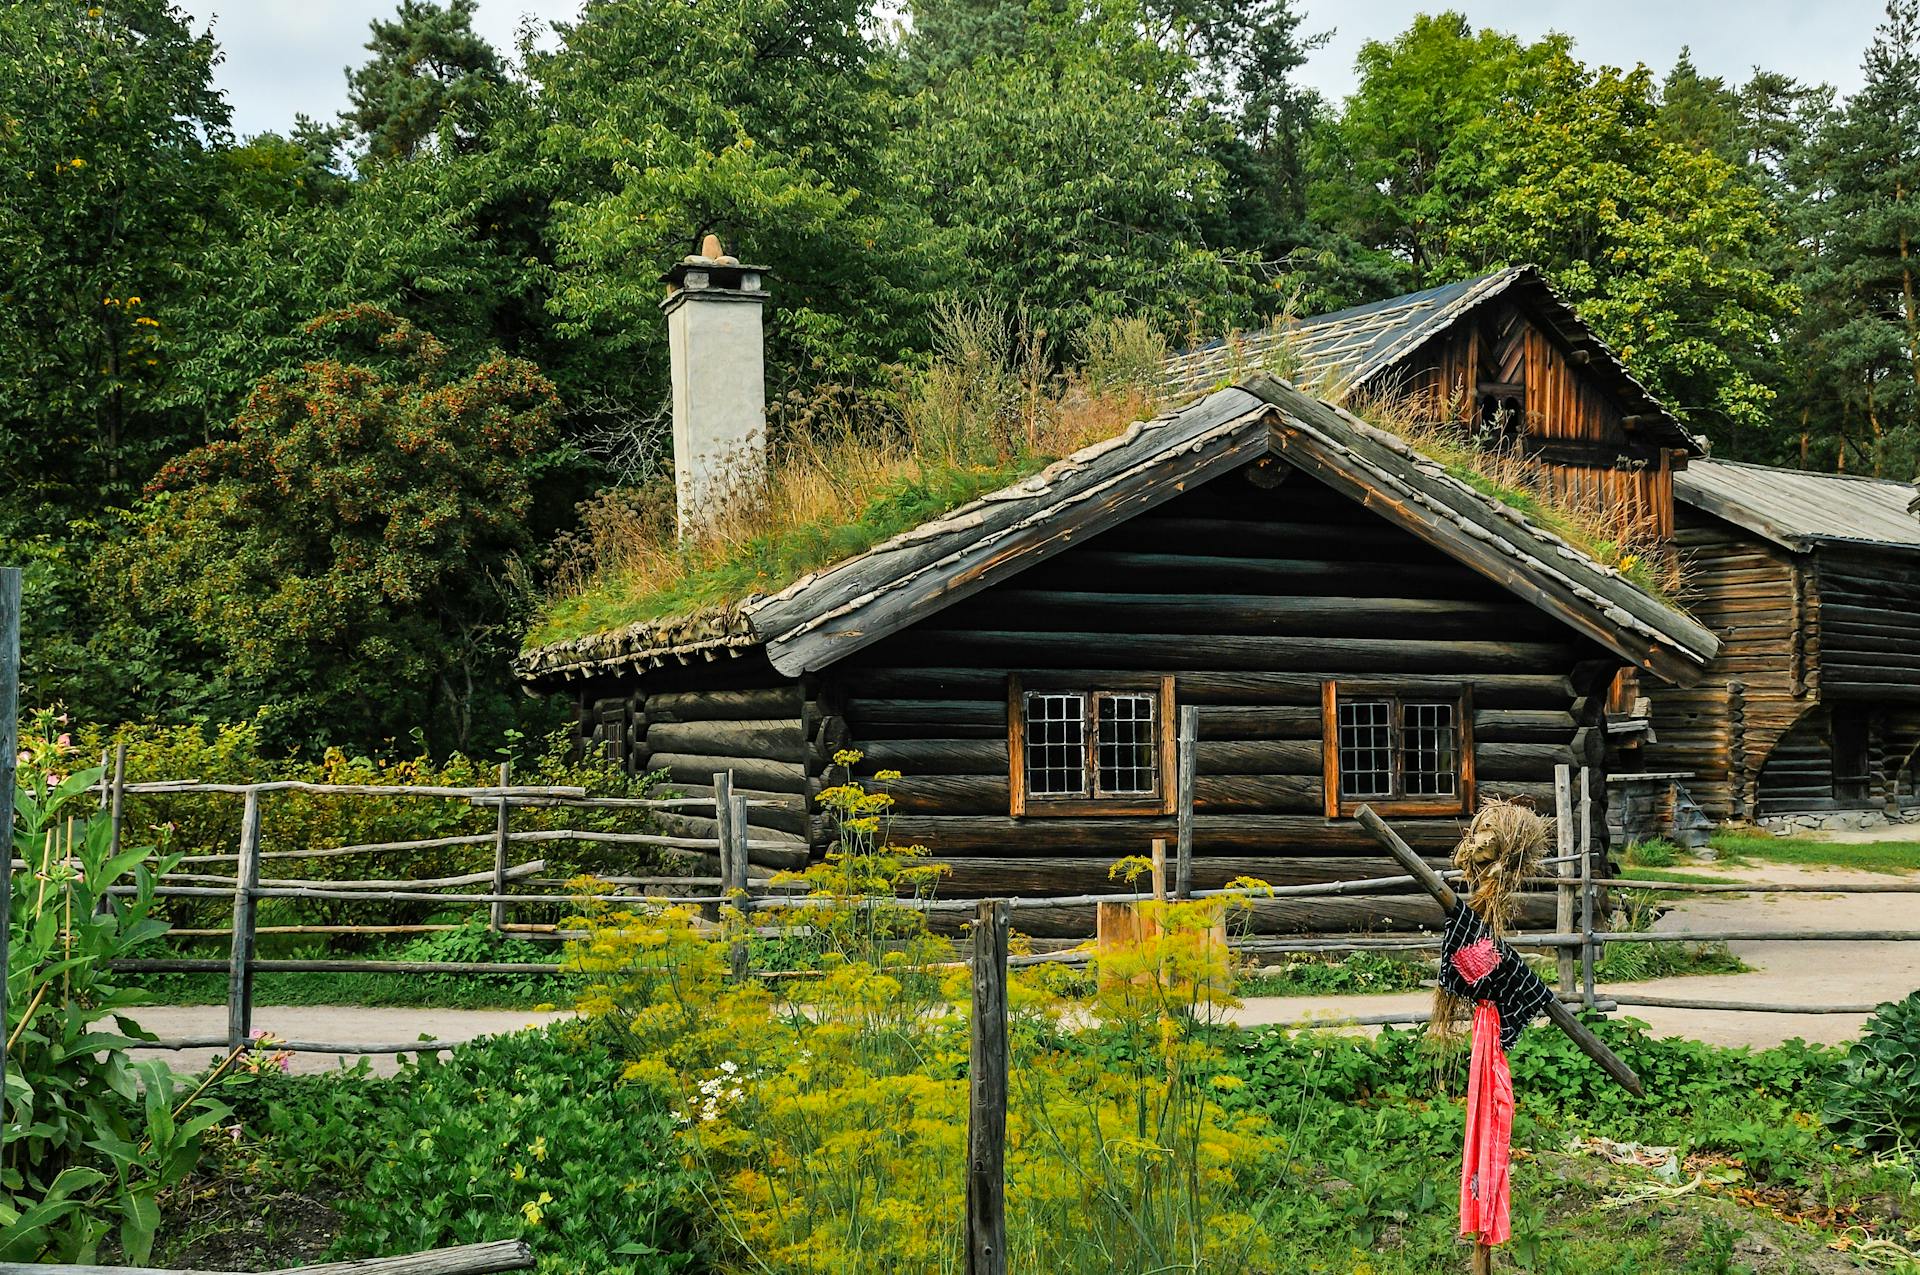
(987, 1095)
(9, 743)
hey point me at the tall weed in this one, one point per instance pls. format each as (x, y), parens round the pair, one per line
(830, 1111)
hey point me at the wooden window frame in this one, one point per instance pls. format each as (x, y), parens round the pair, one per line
(1399, 694)
(1161, 802)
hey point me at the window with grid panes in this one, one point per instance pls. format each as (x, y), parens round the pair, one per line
(1093, 746)
(1391, 748)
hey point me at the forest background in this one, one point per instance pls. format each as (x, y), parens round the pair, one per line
(298, 429)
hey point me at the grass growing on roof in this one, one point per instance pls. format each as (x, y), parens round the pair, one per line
(770, 560)
(989, 411)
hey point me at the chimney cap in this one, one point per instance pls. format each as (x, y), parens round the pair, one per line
(713, 269)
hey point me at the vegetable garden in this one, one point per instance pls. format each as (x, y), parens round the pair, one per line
(691, 1120)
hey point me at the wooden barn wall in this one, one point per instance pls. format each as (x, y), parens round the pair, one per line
(1572, 423)
(1248, 598)
(1799, 775)
(1756, 598)
(1869, 632)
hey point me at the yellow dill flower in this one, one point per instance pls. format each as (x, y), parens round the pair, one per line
(539, 1149)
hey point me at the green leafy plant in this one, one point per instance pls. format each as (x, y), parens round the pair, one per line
(92, 1139)
(1875, 1102)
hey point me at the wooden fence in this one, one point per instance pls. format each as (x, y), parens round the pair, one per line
(1576, 939)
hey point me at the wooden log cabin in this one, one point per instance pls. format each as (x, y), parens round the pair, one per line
(1810, 713)
(1353, 624)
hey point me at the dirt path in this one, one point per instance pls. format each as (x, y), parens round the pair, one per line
(1799, 973)
(331, 1023)
(1794, 972)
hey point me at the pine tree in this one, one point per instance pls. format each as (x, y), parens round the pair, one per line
(1857, 345)
(428, 66)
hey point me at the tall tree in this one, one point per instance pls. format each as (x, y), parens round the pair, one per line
(1858, 348)
(764, 122)
(1670, 252)
(1402, 166)
(429, 68)
(108, 189)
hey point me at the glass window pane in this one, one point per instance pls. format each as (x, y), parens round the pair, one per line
(1127, 744)
(1427, 752)
(1366, 748)
(1056, 744)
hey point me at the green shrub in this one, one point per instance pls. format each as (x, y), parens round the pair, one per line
(1875, 1102)
(208, 823)
(530, 1135)
(1655, 852)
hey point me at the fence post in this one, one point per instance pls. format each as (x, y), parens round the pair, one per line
(240, 966)
(1564, 843)
(1187, 747)
(722, 834)
(1586, 886)
(9, 744)
(116, 807)
(737, 875)
(498, 917)
(987, 1095)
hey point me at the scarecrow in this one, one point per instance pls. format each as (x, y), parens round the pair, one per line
(1481, 975)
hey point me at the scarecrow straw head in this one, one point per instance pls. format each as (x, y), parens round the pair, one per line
(1502, 848)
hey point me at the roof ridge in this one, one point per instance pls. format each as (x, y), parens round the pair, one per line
(1799, 473)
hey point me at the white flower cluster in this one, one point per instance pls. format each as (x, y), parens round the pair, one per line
(723, 1088)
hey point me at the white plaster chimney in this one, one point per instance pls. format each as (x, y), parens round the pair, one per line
(719, 383)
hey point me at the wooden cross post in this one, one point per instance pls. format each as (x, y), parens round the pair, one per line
(1443, 894)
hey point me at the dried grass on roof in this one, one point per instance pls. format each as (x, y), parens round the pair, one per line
(852, 471)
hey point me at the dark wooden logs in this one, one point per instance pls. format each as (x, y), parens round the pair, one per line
(921, 678)
(976, 876)
(749, 772)
(743, 705)
(1280, 835)
(771, 739)
(1175, 652)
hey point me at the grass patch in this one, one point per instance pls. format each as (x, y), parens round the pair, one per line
(1870, 856)
(1361, 973)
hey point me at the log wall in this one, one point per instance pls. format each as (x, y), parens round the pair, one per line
(1799, 776)
(1869, 625)
(1248, 598)
(1803, 636)
(1757, 599)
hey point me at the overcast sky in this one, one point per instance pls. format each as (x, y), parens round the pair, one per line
(288, 56)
